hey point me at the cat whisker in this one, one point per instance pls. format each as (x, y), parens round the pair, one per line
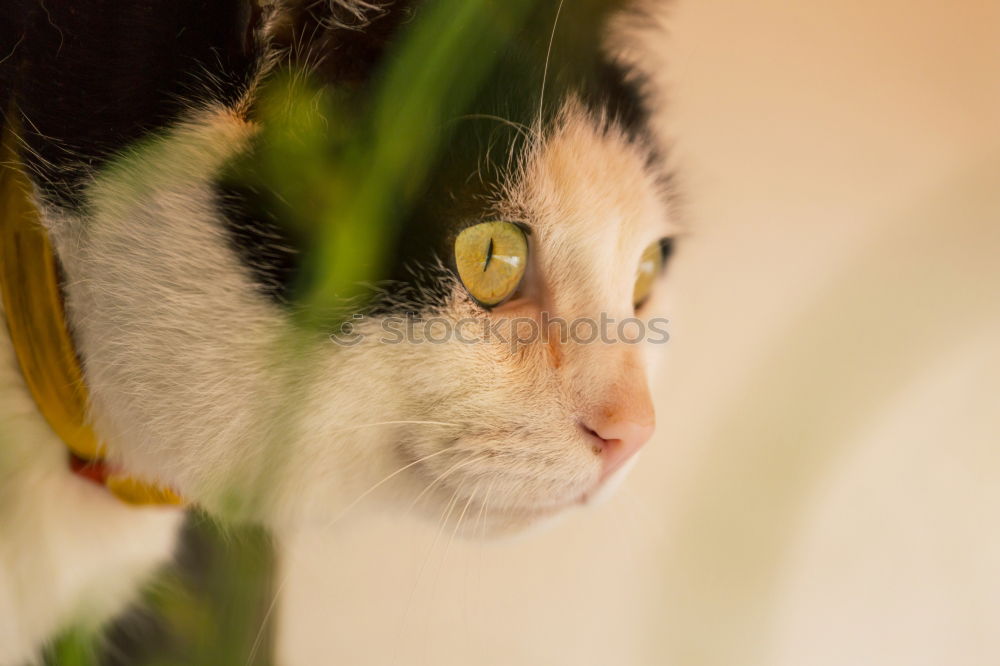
(355, 502)
(423, 566)
(480, 519)
(454, 468)
(451, 540)
(382, 423)
(258, 639)
(379, 484)
(284, 578)
(461, 516)
(521, 128)
(481, 529)
(548, 57)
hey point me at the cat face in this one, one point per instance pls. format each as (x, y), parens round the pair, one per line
(511, 425)
(496, 376)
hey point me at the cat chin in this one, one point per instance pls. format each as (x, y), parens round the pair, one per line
(472, 520)
(503, 524)
(478, 509)
(518, 522)
(475, 520)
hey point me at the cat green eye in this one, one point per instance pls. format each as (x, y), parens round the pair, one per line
(650, 265)
(491, 258)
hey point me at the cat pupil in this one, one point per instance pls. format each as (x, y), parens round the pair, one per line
(489, 255)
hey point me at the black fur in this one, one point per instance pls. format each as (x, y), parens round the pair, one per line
(11, 32)
(348, 60)
(270, 249)
(89, 78)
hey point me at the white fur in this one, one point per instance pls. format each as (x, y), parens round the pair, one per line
(200, 383)
(69, 552)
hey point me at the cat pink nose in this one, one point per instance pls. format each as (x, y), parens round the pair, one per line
(619, 441)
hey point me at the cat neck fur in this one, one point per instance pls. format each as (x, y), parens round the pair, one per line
(70, 553)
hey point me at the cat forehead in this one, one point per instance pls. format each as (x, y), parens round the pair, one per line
(556, 138)
(592, 182)
(594, 196)
(587, 180)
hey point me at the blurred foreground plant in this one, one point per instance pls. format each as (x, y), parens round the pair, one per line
(340, 172)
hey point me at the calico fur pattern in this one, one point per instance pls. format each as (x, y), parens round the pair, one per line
(197, 379)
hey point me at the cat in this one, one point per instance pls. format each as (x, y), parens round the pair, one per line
(179, 288)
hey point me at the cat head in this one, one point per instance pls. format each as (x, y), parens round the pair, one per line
(500, 371)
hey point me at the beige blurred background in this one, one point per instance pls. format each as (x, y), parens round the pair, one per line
(824, 487)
